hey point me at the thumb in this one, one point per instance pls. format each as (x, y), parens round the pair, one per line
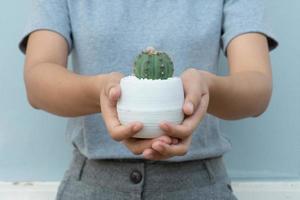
(112, 88)
(114, 93)
(190, 104)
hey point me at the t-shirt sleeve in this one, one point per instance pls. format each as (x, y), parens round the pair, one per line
(51, 15)
(245, 16)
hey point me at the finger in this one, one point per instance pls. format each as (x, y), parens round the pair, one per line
(108, 102)
(137, 146)
(189, 124)
(155, 155)
(113, 80)
(166, 139)
(192, 97)
(117, 131)
(193, 120)
(148, 153)
(151, 154)
(122, 132)
(172, 150)
(188, 107)
(114, 94)
(176, 131)
(109, 113)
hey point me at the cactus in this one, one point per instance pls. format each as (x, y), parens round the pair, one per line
(152, 64)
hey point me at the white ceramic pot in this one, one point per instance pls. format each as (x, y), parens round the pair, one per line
(150, 102)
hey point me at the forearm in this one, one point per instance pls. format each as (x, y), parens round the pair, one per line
(53, 88)
(240, 95)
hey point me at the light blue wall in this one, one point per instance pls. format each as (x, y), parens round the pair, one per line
(269, 147)
(32, 143)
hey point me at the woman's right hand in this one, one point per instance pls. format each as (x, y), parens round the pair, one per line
(109, 95)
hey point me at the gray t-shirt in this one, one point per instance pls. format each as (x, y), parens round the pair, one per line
(105, 36)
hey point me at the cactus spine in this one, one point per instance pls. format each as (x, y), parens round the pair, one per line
(152, 64)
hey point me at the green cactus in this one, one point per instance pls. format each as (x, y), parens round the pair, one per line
(152, 64)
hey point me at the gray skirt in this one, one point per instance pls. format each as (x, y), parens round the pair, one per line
(135, 179)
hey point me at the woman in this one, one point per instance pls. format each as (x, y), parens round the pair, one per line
(104, 37)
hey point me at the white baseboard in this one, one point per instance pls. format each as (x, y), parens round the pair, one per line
(289, 190)
(243, 190)
(28, 190)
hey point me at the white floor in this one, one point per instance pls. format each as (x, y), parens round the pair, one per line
(243, 190)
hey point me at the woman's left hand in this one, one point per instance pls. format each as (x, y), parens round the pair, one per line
(196, 91)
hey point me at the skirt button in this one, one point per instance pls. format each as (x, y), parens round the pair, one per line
(136, 176)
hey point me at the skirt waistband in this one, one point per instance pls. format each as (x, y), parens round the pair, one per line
(132, 174)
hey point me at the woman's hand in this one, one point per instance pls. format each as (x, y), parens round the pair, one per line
(109, 96)
(196, 89)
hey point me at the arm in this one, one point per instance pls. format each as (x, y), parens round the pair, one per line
(50, 86)
(246, 91)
